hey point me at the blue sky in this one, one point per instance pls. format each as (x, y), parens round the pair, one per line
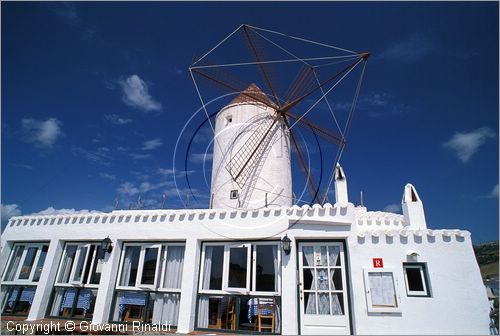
(95, 95)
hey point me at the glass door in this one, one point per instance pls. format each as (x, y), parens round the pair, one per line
(322, 289)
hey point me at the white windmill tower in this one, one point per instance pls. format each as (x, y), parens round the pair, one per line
(246, 174)
(254, 134)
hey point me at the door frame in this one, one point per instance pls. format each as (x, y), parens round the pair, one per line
(343, 241)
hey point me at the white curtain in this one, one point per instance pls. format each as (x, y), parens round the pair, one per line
(333, 252)
(58, 298)
(127, 265)
(173, 270)
(308, 253)
(203, 301)
(276, 267)
(166, 308)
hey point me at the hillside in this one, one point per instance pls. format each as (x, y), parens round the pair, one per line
(487, 258)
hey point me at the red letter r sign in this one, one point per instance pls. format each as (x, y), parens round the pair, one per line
(378, 263)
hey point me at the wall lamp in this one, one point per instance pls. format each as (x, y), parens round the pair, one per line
(106, 247)
(286, 244)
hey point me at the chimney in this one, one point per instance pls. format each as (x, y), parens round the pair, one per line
(413, 209)
(340, 186)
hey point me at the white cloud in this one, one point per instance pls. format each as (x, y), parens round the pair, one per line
(465, 145)
(130, 189)
(9, 210)
(494, 192)
(139, 156)
(407, 51)
(136, 94)
(67, 11)
(200, 157)
(116, 119)
(41, 133)
(174, 172)
(51, 211)
(127, 189)
(394, 208)
(152, 144)
(100, 155)
(107, 176)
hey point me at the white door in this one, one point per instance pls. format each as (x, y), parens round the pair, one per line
(323, 289)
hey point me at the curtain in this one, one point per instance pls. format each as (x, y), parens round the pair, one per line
(58, 299)
(203, 301)
(276, 267)
(14, 264)
(127, 266)
(308, 253)
(333, 253)
(203, 312)
(207, 268)
(173, 270)
(166, 308)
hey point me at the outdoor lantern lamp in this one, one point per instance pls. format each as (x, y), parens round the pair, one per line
(106, 245)
(286, 244)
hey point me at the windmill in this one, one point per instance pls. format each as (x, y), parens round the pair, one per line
(280, 111)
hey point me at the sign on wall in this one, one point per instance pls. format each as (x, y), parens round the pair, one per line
(378, 263)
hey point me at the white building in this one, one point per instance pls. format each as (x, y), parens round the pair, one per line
(346, 270)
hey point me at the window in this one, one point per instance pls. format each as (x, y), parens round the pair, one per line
(239, 285)
(77, 280)
(233, 194)
(228, 120)
(149, 283)
(416, 279)
(21, 277)
(381, 293)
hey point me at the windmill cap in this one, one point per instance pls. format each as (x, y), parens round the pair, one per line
(252, 94)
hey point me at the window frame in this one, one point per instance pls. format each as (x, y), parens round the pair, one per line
(138, 286)
(370, 307)
(29, 281)
(251, 270)
(93, 259)
(424, 277)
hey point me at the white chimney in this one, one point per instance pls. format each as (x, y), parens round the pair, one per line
(413, 209)
(340, 186)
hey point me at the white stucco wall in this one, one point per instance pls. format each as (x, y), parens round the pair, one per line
(458, 304)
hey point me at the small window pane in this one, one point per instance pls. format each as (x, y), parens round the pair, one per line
(308, 256)
(267, 262)
(89, 263)
(324, 304)
(213, 266)
(414, 277)
(67, 263)
(14, 262)
(149, 266)
(337, 304)
(310, 303)
(238, 267)
(28, 263)
(333, 255)
(80, 263)
(39, 265)
(95, 276)
(130, 266)
(322, 277)
(336, 279)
